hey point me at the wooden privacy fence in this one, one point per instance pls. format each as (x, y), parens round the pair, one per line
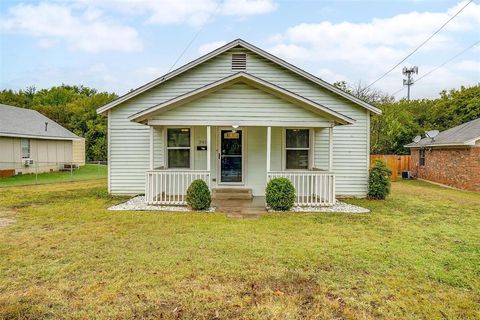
(396, 163)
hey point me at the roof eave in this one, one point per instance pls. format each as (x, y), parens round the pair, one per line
(310, 76)
(224, 48)
(32, 136)
(431, 145)
(168, 76)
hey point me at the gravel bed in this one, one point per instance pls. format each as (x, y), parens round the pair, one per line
(337, 207)
(138, 204)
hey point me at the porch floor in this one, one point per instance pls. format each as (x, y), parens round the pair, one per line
(243, 209)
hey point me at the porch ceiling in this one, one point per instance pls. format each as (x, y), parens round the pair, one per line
(330, 115)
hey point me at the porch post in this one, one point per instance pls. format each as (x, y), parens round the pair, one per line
(330, 148)
(269, 138)
(151, 147)
(208, 148)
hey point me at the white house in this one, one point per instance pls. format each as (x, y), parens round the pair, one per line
(237, 117)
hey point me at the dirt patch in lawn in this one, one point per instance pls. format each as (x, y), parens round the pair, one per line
(4, 222)
(7, 212)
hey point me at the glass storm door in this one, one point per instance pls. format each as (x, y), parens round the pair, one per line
(231, 156)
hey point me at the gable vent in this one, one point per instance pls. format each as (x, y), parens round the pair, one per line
(239, 61)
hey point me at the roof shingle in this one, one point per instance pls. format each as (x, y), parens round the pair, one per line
(464, 134)
(21, 122)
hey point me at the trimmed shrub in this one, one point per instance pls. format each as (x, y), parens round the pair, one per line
(280, 194)
(198, 195)
(378, 181)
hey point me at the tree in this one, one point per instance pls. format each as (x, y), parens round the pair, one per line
(73, 107)
(402, 120)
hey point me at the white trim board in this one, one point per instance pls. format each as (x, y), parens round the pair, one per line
(294, 124)
(30, 136)
(228, 46)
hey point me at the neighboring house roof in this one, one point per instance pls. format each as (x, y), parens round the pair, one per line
(242, 77)
(260, 52)
(466, 134)
(27, 123)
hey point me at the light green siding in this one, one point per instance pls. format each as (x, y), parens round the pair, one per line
(241, 102)
(256, 162)
(158, 149)
(199, 156)
(321, 148)
(130, 141)
(276, 157)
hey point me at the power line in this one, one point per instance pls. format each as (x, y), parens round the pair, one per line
(442, 64)
(195, 36)
(421, 45)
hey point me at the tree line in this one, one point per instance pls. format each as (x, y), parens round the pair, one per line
(401, 120)
(74, 107)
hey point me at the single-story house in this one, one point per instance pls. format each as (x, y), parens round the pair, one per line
(31, 142)
(451, 158)
(236, 118)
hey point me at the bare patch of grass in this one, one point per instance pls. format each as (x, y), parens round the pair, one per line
(4, 222)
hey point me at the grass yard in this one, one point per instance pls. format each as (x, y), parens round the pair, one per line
(416, 256)
(86, 172)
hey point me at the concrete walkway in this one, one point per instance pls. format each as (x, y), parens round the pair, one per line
(241, 209)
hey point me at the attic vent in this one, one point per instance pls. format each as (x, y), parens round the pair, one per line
(239, 61)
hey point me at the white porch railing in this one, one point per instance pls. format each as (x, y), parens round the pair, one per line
(170, 186)
(312, 188)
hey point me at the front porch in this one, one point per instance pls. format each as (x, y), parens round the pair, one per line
(235, 156)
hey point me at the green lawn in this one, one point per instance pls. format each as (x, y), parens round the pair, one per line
(416, 256)
(86, 172)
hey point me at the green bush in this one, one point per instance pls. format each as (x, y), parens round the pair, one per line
(280, 194)
(198, 195)
(378, 181)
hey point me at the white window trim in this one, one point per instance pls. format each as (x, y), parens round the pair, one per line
(420, 151)
(166, 147)
(310, 149)
(29, 148)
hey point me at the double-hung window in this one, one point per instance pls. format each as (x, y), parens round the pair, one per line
(178, 147)
(297, 149)
(421, 153)
(25, 144)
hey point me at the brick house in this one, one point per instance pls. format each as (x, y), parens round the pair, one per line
(451, 158)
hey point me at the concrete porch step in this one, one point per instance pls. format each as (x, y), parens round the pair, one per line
(232, 194)
(232, 190)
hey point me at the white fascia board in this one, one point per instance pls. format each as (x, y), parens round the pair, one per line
(31, 136)
(254, 49)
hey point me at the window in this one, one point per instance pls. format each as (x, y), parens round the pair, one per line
(297, 148)
(421, 154)
(178, 147)
(25, 144)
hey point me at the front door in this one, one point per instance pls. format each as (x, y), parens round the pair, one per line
(231, 156)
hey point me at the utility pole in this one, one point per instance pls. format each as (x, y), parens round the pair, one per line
(409, 81)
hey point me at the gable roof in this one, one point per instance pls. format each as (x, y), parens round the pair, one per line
(242, 77)
(27, 123)
(226, 47)
(466, 134)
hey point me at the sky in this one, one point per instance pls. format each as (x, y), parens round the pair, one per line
(118, 45)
